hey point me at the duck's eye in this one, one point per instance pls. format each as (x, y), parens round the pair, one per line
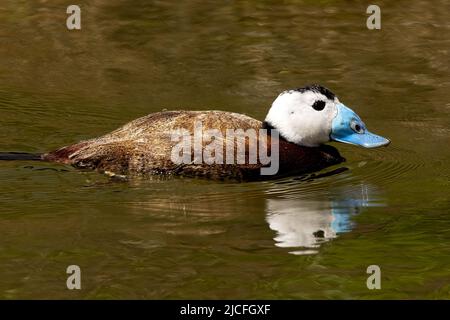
(357, 127)
(318, 105)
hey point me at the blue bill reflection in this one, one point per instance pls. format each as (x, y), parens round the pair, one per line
(304, 225)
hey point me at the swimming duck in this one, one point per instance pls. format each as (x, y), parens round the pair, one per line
(298, 124)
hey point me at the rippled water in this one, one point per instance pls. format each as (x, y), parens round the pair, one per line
(298, 237)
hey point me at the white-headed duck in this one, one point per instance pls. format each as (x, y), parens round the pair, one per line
(304, 120)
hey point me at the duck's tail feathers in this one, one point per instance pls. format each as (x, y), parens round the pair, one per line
(14, 156)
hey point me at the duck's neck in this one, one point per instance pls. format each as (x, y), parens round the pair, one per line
(332, 151)
(269, 127)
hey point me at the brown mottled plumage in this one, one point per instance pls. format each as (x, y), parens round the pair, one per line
(144, 146)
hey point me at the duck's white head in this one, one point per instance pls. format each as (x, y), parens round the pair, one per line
(313, 115)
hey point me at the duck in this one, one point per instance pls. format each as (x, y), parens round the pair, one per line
(297, 128)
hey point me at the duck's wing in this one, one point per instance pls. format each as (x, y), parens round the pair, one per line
(146, 145)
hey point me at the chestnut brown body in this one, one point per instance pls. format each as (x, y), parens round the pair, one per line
(144, 147)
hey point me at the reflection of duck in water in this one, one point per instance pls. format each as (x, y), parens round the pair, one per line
(306, 224)
(299, 224)
(305, 119)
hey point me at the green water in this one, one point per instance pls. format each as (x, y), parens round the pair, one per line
(183, 238)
